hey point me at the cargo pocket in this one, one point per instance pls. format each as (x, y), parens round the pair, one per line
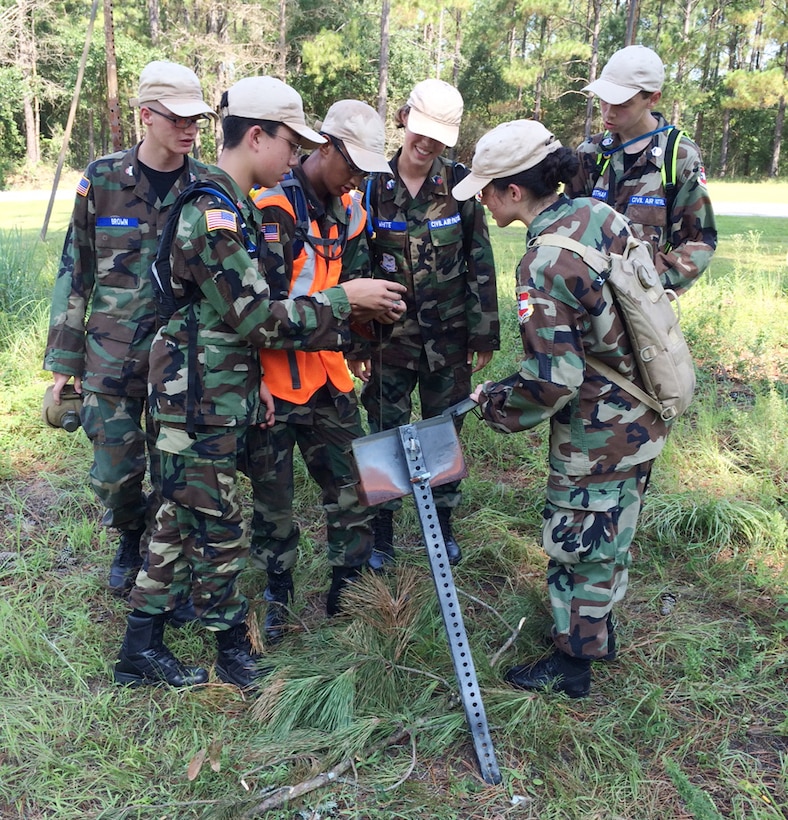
(581, 523)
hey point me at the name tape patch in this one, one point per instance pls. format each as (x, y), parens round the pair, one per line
(446, 222)
(117, 222)
(657, 201)
(389, 225)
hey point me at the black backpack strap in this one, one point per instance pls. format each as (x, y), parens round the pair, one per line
(161, 277)
(669, 170)
(330, 249)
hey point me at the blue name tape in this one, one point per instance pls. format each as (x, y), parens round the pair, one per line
(445, 222)
(388, 225)
(117, 222)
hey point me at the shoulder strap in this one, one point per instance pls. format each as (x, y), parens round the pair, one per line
(372, 180)
(600, 262)
(328, 249)
(669, 172)
(624, 383)
(597, 260)
(201, 187)
(297, 198)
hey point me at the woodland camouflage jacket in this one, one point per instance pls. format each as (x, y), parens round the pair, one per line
(440, 250)
(595, 426)
(684, 239)
(103, 314)
(204, 367)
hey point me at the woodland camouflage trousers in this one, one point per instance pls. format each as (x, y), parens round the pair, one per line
(114, 426)
(323, 434)
(588, 527)
(200, 543)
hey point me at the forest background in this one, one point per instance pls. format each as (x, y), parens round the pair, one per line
(726, 63)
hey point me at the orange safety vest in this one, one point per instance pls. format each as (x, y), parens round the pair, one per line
(296, 375)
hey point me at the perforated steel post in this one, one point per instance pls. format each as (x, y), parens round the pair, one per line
(464, 669)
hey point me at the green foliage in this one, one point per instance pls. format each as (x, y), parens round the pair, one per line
(698, 802)
(25, 280)
(762, 89)
(11, 143)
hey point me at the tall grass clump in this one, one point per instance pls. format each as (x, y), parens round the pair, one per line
(26, 272)
(736, 322)
(27, 269)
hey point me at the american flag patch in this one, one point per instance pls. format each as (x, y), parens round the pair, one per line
(83, 186)
(219, 220)
(271, 232)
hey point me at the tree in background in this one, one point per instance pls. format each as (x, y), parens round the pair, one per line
(726, 64)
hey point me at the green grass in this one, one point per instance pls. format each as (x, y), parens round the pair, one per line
(736, 192)
(690, 721)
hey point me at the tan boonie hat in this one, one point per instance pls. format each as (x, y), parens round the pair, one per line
(176, 87)
(629, 70)
(267, 98)
(362, 132)
(506, 150)
(435, 111)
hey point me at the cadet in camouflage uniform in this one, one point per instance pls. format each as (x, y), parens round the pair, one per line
(205, 388)
(440, 249)
(633, 165)
(603, 441)
(314, 232)
(103, 315)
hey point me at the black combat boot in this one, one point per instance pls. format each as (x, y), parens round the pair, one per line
(278, 593)
(184, 613)
(559, 672)
(236, 661)
(453, 552)
(383, 550)
(340, 578)
(144, 659)
(126, 563)
(611, 641)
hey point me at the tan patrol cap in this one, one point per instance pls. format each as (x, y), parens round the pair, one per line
(362, 132)
(506, 150)
(435, 111)
(267, 98)
(176, 87)
(629, 70)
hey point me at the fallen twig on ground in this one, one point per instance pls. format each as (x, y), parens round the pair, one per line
(284, 795)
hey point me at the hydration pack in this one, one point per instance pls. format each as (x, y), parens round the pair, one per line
(646, 308)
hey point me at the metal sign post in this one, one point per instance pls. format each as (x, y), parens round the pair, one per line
(397, 461)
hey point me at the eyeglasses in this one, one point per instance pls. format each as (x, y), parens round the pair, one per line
(295, 147)
(354, 169)
(183, 123)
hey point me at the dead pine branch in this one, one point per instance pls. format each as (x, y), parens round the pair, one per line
(286, 794)
(507, 644)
